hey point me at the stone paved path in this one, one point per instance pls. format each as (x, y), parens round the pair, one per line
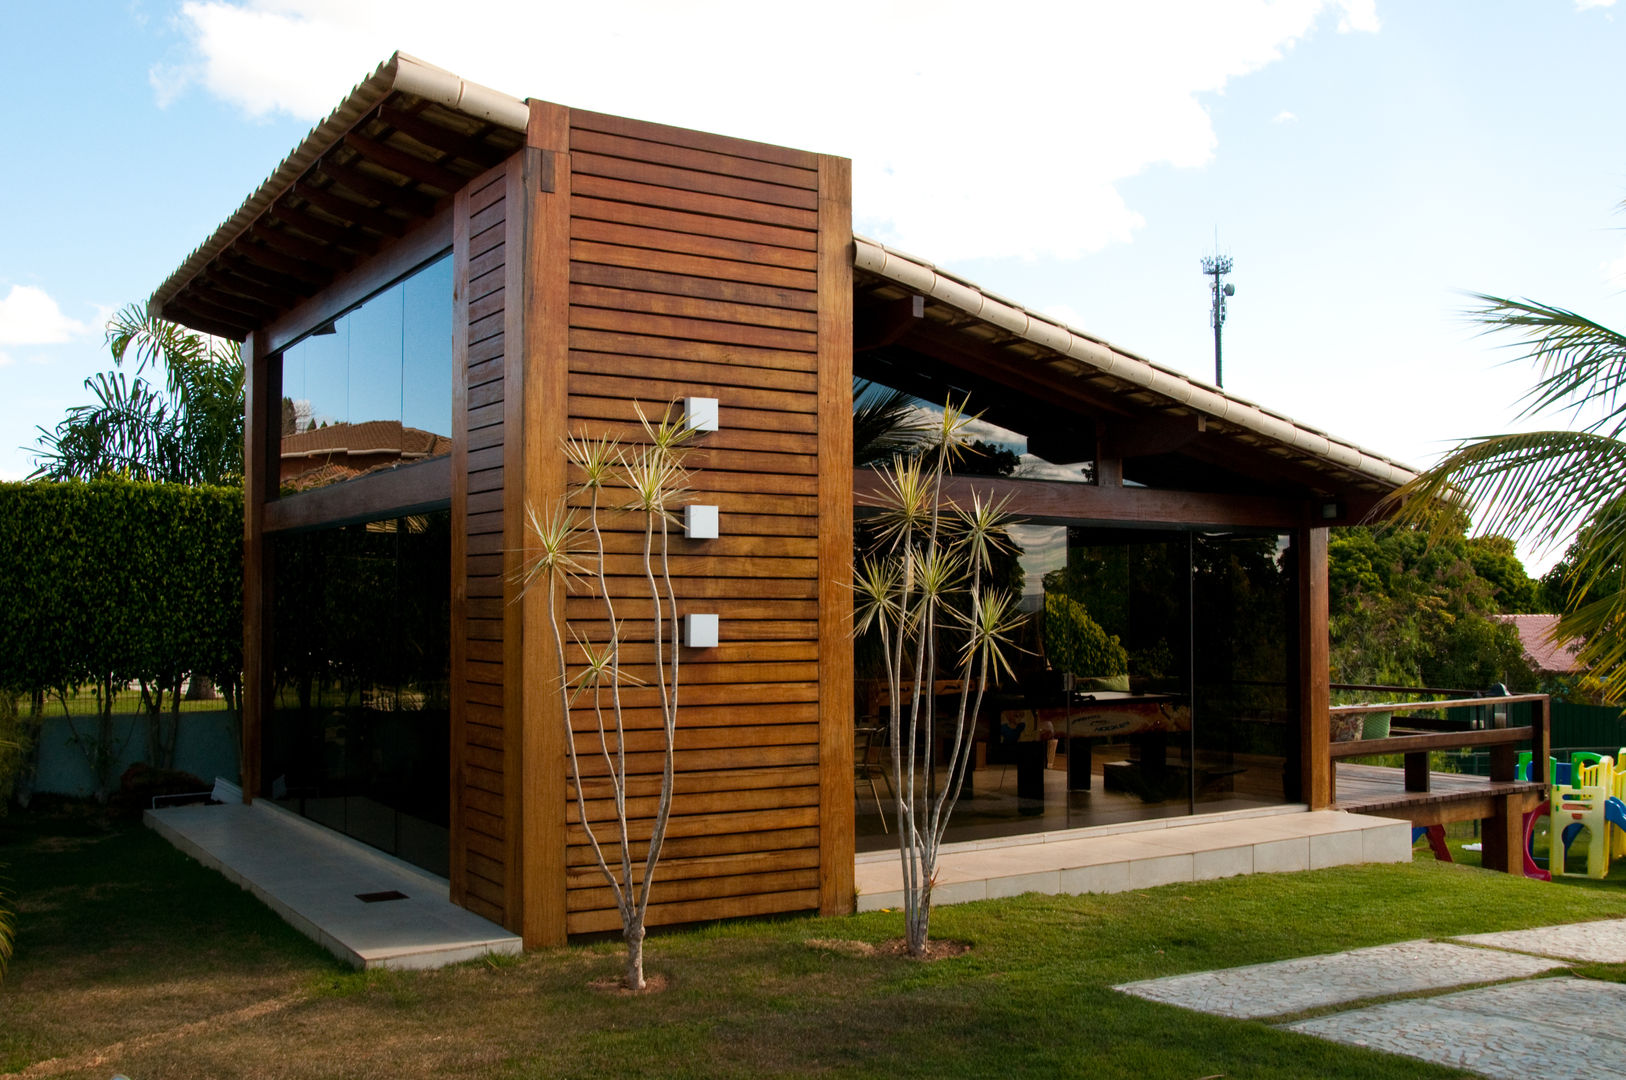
(1593, 942)
(1569, 1028)
(1564, 1027)
(1314, 982)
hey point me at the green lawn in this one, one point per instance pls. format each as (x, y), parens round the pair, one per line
(133, 959)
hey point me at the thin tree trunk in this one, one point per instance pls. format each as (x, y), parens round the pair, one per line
(634, 935)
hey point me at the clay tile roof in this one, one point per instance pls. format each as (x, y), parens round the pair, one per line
(1536, 636)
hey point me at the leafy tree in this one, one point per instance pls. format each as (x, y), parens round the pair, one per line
(1410, 611)
(1075, 642)
(186, 429)
(1557, 485)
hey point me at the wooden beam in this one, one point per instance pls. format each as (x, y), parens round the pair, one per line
(542, 189)
(262, 256)
(457, 672)
(327, 232)
(1445, 740)
(227, 308)
(1314, 677)
(837, 809)
(289, 245)
(383, 192)
(885, 322)
(223, 277)
(1026, 375)
(340, 292)
(258, 276)
(408, 165)
(1059, 501)
(405, 489)
(1157, 433)
(349, 210)
(432, 135)
(181, 310)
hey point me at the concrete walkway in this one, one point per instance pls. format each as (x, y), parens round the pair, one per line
(316, 880)
(1520, 1026)
(1115, 858)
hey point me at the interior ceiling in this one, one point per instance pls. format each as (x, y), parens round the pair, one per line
(393, 169)
(1162, 443)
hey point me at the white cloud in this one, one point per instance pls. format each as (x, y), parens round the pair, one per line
(1361, 16)
(970, 135)
(28, 316)
(1584, 5)
(1283, 117)
(6, 359)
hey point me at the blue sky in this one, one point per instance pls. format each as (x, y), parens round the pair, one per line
(1364, 162)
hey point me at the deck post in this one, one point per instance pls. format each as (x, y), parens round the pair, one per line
(1503, 833)
(1315, 689)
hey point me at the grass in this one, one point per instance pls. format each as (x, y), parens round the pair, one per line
(125, 943)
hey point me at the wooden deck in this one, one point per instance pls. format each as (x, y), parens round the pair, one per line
(1500, 804)
(1375, 789)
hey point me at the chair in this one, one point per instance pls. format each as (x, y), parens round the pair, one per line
(866, 769)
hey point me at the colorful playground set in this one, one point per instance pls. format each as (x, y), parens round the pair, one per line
(1587, 795)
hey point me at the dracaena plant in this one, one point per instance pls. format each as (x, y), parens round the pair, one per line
(929, 571)
(644, 480)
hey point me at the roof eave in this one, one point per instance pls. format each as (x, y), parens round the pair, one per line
(926, 279)
(400, 72)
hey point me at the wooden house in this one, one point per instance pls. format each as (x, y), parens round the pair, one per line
(493, 275)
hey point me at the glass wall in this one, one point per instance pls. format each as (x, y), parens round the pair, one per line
(357, 734)
(372, 388)
(1155, 679)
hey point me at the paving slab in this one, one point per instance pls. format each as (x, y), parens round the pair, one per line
(315, 880)
(1562, 1027)
(1590, 942)
(1315, 982)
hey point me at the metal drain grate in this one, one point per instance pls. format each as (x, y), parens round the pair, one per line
(380, 897)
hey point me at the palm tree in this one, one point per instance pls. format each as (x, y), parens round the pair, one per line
(1549, 486)
(189, 430)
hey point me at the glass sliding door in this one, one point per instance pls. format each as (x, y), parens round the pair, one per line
(357, 733)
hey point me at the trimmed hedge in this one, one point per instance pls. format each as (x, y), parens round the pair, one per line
(116, 581)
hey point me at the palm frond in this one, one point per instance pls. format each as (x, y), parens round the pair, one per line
(1541, 484)
(886, 423)
(1582, 363)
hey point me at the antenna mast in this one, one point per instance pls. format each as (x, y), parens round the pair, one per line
(1217, 267)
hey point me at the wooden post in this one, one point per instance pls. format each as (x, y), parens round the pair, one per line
(1503, 834)
(1541, 739)
(1417, 771)
(837, 826)
(1315, 691)
(544, 181)
(260, 457)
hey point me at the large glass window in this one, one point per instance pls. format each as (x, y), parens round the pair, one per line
(372, 389)
(1155, 679)
(357, 733)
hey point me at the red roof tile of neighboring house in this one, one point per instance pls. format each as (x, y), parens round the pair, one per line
(1544, 654)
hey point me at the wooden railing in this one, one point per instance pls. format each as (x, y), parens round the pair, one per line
(1504, 743)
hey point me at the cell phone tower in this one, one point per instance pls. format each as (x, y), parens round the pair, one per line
(1216, 267)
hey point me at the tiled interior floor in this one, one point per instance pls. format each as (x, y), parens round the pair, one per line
(992, 809)
(313, 878)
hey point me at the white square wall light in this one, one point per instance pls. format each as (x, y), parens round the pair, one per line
(700, 522)
(700, 413)
(700, 631)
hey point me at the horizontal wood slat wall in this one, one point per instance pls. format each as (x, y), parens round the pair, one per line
(483, 830)
(694, 271)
